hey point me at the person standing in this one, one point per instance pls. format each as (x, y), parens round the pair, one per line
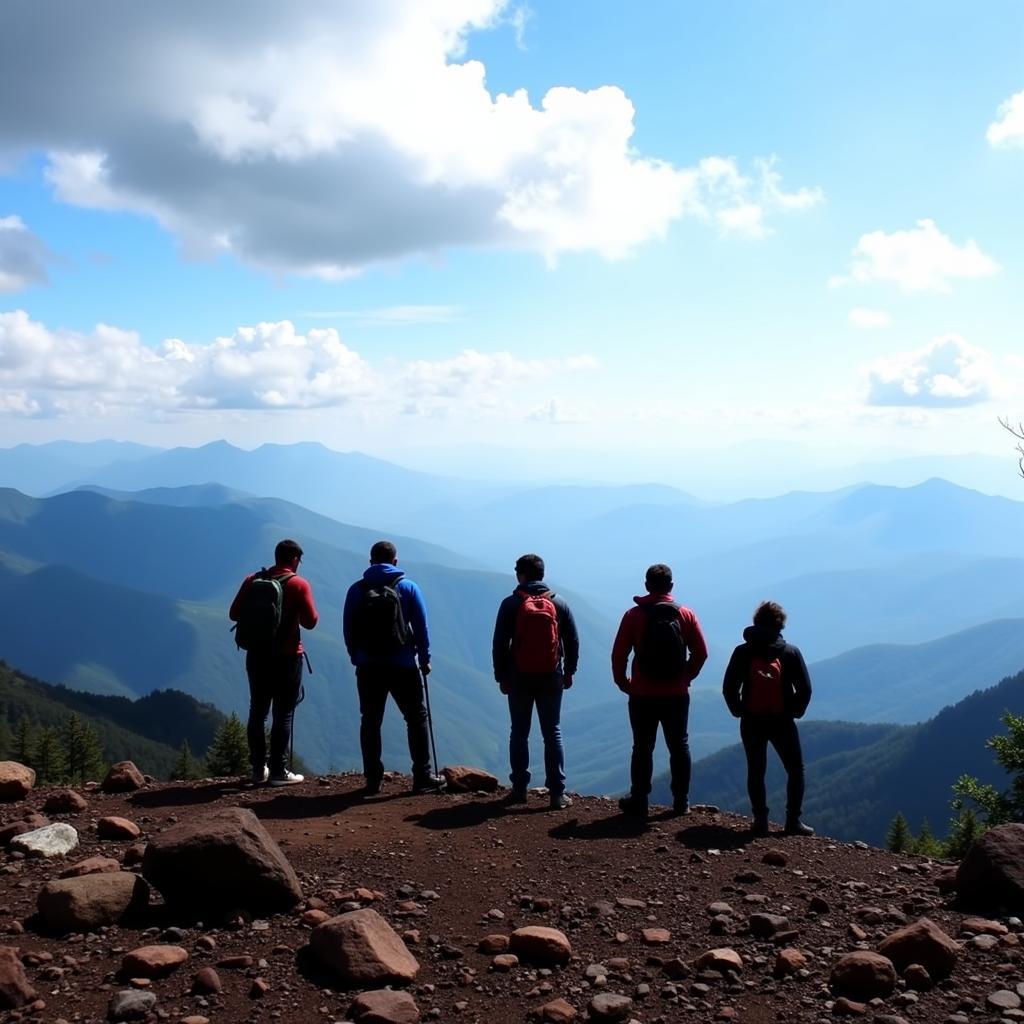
(767, 687)
(271, 608)
(535, 652)
(669, 650)
(386, 634)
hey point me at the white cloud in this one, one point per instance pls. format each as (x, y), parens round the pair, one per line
(945, 373)
(323, 137)
(1007, 131)
(869, 319)
(390, 316)
(23, 256)
(918, 259)
(270, 366)
(556, 412)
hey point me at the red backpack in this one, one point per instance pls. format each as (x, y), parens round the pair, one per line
(765, 695)
(535, 646)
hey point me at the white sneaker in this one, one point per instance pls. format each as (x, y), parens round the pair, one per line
(288, 779)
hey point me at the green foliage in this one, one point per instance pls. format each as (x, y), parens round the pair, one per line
(999, 807)
(229, 752)
(899, 838)
(187, 766)
(83, 750)
(48, 759)
(925, 844)
(964, 829)
(24, 742)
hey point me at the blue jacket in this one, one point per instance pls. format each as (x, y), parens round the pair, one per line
(413, 610)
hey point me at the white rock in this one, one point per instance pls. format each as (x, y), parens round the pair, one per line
(55, 840)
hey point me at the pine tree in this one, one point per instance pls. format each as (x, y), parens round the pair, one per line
(229, 752)
(186, 767)
(998, 807)
(48, 758)
(23, 749)
(926, 844)
(898, 839)
(84, 753)
(6, 740)
(963, 831)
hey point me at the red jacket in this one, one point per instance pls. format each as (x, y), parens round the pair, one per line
(297, 610)
(629, 638)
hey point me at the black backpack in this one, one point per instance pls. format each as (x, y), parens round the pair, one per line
(259, 616)
(381, 627)
(661, 655)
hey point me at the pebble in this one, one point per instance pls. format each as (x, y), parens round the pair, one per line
(130, 1005)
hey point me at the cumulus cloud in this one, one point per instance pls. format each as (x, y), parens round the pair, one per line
(869, 319)
(947, 372)
(390, 316)
(23, 256)
(918, 259)
(322, 137)
(1007, 131)
(269, 366)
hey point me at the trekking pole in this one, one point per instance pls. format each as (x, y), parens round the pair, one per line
(430, 719)
(291, 752)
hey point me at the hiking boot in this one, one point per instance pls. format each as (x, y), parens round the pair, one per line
(429, 784)
(759, 826)
(371, 787)
(680, 807)
(260, 775)
(516, 796)
(560, 802)
(287, 779)
(795, 827)
(632, 807)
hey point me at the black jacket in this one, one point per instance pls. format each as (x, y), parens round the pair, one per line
(767, 643)
(504, 628)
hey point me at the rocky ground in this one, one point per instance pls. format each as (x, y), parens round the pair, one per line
(641, 907)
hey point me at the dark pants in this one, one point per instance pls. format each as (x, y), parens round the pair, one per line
(757, 731)
(375, 682)
(546, 696)
(274, 682)
(646, 714)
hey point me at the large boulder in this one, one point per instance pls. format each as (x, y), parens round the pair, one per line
(992, 873)
(363, 950)
(85, 903)
(65, 801)
(15, 988)
(461, 778)
(123, 777)
(55, 840)
(225, 860)
(863, 975)
(540, 945)
(16, 780)
(924, 943)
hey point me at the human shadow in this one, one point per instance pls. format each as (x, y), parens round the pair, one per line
(712, 837)
(290, 806)
(615, 826)
(467, 814)
(185, 796)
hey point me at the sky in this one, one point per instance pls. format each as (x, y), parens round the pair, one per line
(583, 239)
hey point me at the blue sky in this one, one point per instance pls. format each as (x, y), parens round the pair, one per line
(587, 238)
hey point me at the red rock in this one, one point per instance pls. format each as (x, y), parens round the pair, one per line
(134, 855)
(922, 942)
(260, 987)
(383, 1006)
(722, 960)
(491, 945)
(65, 801)
(207, 942)
(917, 978)
(113, 827)
(85, 903)
(558, 1011)
(777, 858)
(505, 961)
(863, 975)
(195, 1018)
(206, 982)
(91, 866)
(16, 780)
(463, 779)
(992, 873)
(844, 1007)
(312, 918)
(239, 962)
(540, 945)
(656, 936)
(123, 777)
(15, 988)
(153, 961)
(982, 926)
(789, 961)
(29, 823)
(363, 949)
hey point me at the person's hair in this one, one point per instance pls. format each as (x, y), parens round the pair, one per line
(383, 551)
(659, 578)
(770, 614)
(531, 566)
(286, 550)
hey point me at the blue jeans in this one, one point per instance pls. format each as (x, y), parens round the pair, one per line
(546, 696)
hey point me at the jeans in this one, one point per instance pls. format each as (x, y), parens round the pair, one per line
(274, 683)
(374, 683)
(546, 695)
(757, 731)
(672, 714)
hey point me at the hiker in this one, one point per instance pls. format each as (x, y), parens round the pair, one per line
(270, 607)
(536, 651)
(385, 626)
(669, 651)
(767, 688)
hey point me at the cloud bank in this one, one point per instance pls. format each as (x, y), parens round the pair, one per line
(322, 137)
(23, 256)
(1007, 131)
(946, 373)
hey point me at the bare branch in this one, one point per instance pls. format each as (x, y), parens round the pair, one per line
(1018, 432)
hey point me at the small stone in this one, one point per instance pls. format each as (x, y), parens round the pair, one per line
(982, 926)
(917, 978)
(91, 866)
(656, 936)
(153, 961)
(65, 801)
(986, 943)
(238, 962)
(123, 777)
(130, 1005)
(311, 918)
(863, 975)
(1003, 999)
(206, 982)
(505, 961)
(558, 1011)
(789, 961)
(764, 926)
(722, 960)
(383, 1006)
(493, 944)
(608, 1006)
(260, 987)
(844, 1007)
(777, 858)
(15, 988)
(541, 945)
(718, 909)
(113, 827)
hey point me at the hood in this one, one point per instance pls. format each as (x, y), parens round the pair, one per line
(762, 637)
(383, 573)
(534, 587)
(642, 599)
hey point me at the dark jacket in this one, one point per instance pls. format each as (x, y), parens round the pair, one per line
(414, 611)
(768, 643)
(504, 629)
